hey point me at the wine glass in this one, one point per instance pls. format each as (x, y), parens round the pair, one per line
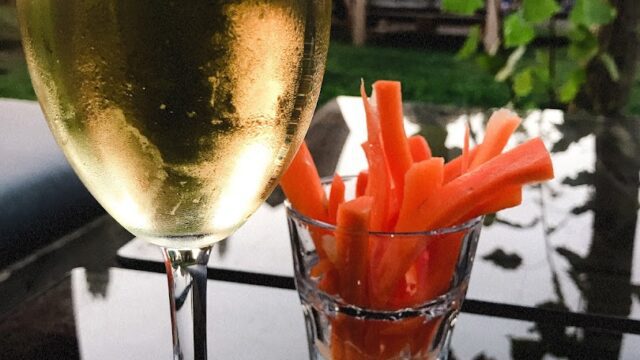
(178, 116)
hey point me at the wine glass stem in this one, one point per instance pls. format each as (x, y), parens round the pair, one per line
(187, 278)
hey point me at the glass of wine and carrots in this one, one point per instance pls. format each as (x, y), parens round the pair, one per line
(178, 116)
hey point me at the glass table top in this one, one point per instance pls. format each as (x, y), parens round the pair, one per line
(121, 314)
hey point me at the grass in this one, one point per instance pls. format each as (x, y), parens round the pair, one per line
(432, 76)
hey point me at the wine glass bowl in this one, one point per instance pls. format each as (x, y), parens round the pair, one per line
(179, 117)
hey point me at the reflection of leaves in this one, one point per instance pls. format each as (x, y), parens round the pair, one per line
(489, 219)
(575, 260)
(582, 178)
(577, 268)
(503, 259)
(482, 356)
(581, 209)
(574, 128)
(531, 224)
(526, 349)
(635, 291)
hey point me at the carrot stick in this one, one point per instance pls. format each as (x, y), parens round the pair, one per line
(508, 197)
(528, 162)
(422, 183)
(454, 168)
(319, 269)
(336, 197)
(419, 147)
(361, 183)
(352, 241)
(389, 104)
(501, 125)
(301, 184)
(378, 181)
(465, 150)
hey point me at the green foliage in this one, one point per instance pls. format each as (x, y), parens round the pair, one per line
(583, 45)
(470, 45)
(537, 11)
(517, 31)
(610, 65)
(570, 88)
(523, 82)
(532, 81)
(592, 12)
(462, 7)
(510, 65)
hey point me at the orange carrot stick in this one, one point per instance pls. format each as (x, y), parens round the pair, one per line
(454, 168)
(352, 242)
(419, 147)
(336, 197)
(465, 150)
(301, 184)
(501, 125)
(378, 181)
(528, 162)
(508, 197)
(361, 183)
(389, 104)
(422, 183)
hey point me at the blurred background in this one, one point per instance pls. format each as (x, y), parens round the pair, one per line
(466, 53)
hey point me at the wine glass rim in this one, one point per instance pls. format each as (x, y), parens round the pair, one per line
(292, 212)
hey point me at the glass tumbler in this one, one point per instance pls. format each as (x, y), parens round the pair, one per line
(373, 306)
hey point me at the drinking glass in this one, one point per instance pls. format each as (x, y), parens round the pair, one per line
(178, 116)
(344, 315)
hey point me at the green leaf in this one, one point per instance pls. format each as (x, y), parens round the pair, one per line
(462, 7)
(523, 83)
(583, 45)
(570, 88)
(537, 11)
(611, 66)
(511, 63)
(517, 31)
(470, 44)
(592, 12)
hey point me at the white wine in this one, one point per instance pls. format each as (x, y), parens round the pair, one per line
(178, 116)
